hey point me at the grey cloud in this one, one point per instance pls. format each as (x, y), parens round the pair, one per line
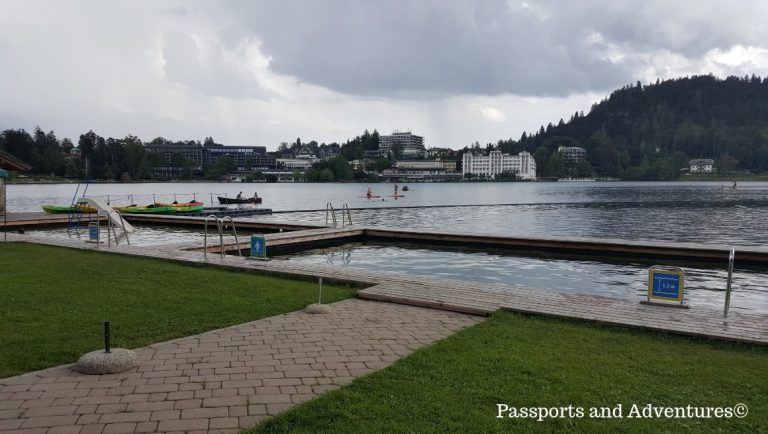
(436, 47)
(211, 76)
(423, 48)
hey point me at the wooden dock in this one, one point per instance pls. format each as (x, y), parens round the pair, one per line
(459, 296)
(32, 220)
(566, 247)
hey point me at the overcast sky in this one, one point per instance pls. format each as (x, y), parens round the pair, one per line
(264, 72)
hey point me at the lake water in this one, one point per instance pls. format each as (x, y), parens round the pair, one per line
(703, 286)
(704, 212)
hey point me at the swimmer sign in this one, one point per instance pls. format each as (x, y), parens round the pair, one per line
(666, 284)
(258, 247)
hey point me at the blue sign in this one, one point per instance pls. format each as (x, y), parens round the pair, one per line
(666, 283)
(258, 246)
(93, 231)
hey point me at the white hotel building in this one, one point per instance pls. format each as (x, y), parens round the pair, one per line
(522, 164)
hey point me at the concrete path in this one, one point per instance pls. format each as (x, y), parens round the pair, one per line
(227, 379)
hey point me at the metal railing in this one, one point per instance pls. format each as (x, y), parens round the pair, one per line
(345, 211)
(110, 227)
(220, 226)
(731, 258)
(330, 212)
(75, 213)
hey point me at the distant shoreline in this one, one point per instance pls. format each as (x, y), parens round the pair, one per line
(688, 178)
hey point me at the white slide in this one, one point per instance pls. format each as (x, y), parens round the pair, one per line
(115, 216)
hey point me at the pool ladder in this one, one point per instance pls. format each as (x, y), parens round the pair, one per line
(75, 213)
(220, 225)
(110, 227)
(330, 212)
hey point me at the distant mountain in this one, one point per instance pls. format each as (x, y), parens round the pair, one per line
(650, 132)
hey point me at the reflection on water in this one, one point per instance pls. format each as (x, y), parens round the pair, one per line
(703, 286)
(708, 224)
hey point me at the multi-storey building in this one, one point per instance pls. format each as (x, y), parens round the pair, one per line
(571, 155)
(447, 165)
(495, 163)
(409, 143)
(246, 159)
(242, 156)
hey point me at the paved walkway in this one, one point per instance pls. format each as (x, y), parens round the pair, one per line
(228, 379)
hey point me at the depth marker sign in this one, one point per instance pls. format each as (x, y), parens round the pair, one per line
(666, 284)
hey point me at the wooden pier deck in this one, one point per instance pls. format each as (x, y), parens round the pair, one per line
(460, 296)
(753, 256)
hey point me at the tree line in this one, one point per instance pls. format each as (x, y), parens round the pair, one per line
(639, 132)
(650, 132)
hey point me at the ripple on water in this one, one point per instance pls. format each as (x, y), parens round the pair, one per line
(628, 280)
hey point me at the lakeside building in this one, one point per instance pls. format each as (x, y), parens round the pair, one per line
(245, 158)
(301, 164)
(447, 165)
(410, 144)
(522, 165)
(441, 153)
(433, 175)
(702, 165)
(571, 155)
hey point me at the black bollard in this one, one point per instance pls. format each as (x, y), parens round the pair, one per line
(106, 336)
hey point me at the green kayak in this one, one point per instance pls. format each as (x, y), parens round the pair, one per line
(64, 209)
(161, 209)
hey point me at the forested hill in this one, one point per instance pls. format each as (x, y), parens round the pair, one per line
(650, 132)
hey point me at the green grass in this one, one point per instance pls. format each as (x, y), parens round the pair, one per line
(53, 302)
(522, 361)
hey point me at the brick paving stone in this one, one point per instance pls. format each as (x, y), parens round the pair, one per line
(226, 379)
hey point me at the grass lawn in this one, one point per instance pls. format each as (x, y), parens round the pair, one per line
(523, 361)
(53, 302)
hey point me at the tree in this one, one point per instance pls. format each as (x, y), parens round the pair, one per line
(134, 154)
(541, 156)
(326, 175)
(584, 169)
(397, 151)
(71, 170)
(727, 164)
(506, 176)
(555, 165)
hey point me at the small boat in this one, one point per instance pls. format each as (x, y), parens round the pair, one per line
(234, 200)
(65, 209)
(405, 188)
(162, 208)
(396, 195)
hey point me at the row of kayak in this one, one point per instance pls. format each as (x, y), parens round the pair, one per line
(157, 208)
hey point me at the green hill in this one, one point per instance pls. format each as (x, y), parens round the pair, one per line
(650, 132)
